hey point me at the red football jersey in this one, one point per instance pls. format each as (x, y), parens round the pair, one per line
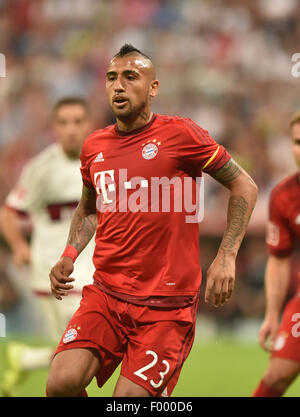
(283, 230)
(146, 250)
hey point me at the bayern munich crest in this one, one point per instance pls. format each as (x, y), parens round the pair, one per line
(70, 335)
(150, 149)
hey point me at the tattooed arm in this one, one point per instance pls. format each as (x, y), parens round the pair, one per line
(83, 226)
(243, 193)
(84, 221)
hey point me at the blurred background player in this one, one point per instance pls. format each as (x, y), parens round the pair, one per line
(49, 190)
(283, 233)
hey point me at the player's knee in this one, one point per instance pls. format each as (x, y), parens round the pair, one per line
(58, 386)
(277, 380)
(130, 393)
(63, 383)
(127, 388)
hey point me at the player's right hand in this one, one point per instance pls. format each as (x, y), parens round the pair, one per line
(267, 333)
(60, 277)
(21, 255)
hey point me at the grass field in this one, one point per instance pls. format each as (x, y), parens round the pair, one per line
(219, 368)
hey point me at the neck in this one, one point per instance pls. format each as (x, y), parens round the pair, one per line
(72, 154)
(141, 120)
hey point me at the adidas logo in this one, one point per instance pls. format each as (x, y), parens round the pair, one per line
(99, 158)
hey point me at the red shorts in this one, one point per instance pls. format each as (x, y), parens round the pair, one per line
(287, 342)
(151, 343)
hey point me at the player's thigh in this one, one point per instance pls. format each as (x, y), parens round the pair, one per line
(74, 367)
(155, 355)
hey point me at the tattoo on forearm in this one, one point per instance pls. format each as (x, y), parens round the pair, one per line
(82, 230)
(237, 220)
(230, 171)
(84, 221)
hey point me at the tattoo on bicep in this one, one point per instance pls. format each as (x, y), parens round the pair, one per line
(229, 172)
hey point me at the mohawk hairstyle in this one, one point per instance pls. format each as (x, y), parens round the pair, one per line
(127, 48)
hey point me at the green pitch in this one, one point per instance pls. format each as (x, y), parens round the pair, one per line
(214, 368)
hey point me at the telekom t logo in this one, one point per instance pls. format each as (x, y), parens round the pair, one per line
(99, 180)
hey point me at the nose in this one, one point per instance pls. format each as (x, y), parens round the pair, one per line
(71, 129)
(118, 86)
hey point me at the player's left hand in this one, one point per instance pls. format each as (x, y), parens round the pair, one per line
(220, 279)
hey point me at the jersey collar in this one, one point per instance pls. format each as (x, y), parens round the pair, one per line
(135, 131)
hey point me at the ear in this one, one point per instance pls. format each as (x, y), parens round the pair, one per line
(154, 88)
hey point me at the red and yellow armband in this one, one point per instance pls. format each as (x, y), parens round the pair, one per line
(71, 252)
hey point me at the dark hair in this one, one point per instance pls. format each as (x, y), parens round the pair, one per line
(126, 49)
(70, 100)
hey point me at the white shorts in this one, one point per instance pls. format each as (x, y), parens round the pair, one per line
(57, 313)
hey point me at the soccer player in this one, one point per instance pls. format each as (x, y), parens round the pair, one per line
(282, 339)
(48, 190)
(141, 308)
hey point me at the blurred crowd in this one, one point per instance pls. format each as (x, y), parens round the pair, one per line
(226, 64)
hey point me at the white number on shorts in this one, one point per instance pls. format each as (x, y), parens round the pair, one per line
(295, 331)
(140, 371)
(162, 375)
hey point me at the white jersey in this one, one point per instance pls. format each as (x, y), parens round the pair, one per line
(49, 189)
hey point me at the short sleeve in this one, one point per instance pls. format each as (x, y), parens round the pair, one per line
(84, 169)
(279, 237)
(200, 149)
(28, 195)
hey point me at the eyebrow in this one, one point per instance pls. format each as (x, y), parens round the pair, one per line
(126, 72)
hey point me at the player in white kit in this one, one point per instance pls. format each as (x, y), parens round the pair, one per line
(49, 189)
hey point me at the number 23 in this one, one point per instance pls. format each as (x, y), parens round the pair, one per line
(140, 371)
